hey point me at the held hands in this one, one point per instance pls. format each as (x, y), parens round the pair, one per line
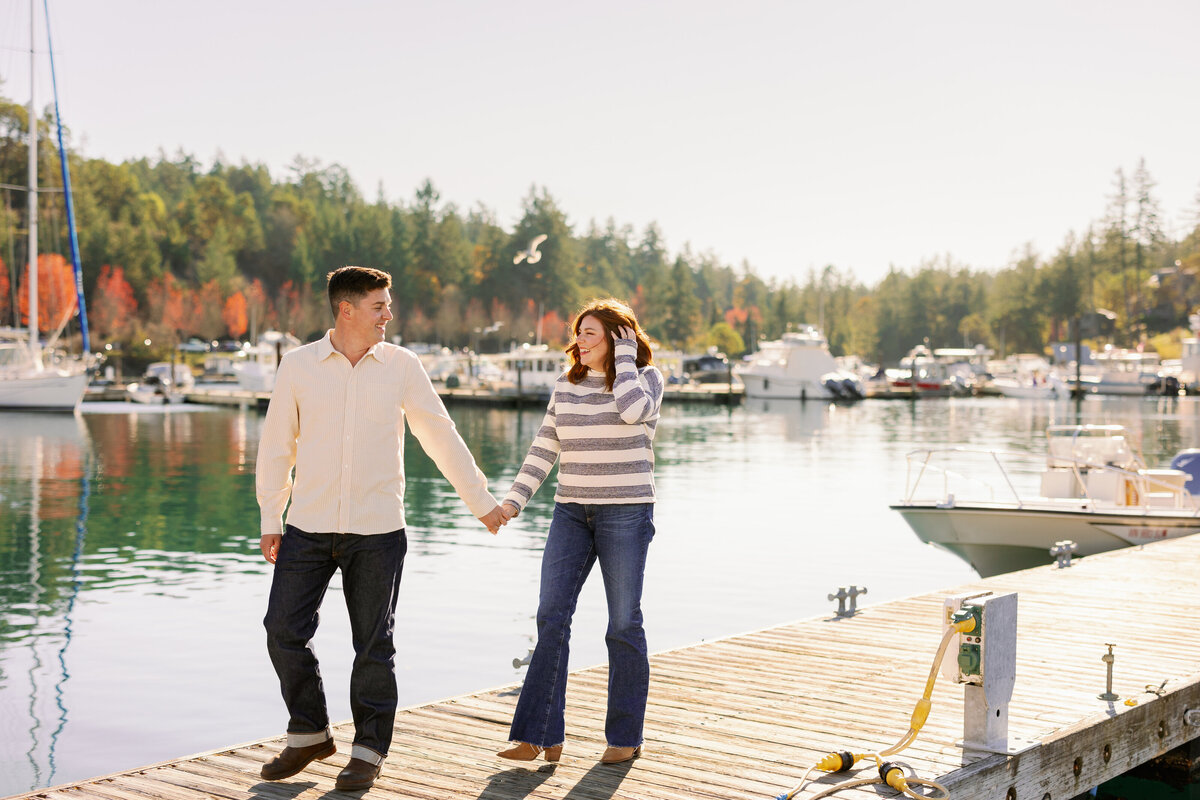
(494, 520)
(499, 516)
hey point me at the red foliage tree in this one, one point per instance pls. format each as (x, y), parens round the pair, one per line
(736, 316)
(164, 304)
(56, 293)
(113, 304)
(234, 315)
(259, 308)
(5, 288)
(554, 329)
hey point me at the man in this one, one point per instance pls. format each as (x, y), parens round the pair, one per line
(337, 418)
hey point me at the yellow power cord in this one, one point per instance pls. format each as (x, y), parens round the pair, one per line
(890, 773)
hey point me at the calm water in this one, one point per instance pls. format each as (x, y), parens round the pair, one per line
(132, 590)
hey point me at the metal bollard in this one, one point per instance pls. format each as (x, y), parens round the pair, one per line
(843, 595)
(523, 662)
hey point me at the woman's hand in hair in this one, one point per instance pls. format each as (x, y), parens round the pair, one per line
(626, 333)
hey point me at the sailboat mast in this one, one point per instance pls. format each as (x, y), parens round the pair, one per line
(31, 280)
(68, 199)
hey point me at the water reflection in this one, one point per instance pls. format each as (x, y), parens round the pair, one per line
(38, 599)
(130, 577)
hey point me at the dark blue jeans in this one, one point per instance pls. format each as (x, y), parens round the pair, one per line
(618, 536)
(371, 567)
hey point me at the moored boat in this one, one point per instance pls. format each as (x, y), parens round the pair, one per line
(33, 375)
(256, 372)
(528, 369)
(1095, 491)
(162, 383)
(798, 366)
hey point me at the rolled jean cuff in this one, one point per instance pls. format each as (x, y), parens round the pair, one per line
(366, 754)
(308, 739)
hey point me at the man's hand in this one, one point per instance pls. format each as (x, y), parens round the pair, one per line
(269, 544)
(493, 520)
(509, 510)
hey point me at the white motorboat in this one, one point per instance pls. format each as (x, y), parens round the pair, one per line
(162, 383)
(1027, 376)
(798, 367)
(937, 373)
(256, 373)
(1036, 386)
(527, 369)
(1119, 371)
(1095, 491)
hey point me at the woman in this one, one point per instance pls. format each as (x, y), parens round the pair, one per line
(599, 425)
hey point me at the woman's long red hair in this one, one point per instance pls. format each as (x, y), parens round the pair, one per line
(612, 314)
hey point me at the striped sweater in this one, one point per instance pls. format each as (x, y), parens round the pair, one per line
(602, 438)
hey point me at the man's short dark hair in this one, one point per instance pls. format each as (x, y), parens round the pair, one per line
(354, 283)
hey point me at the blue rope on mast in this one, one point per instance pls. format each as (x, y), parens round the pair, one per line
(70, 203)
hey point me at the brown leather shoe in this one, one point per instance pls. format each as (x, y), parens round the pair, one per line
(294, 759)
(619, 755)
(524, 751)
(358, 774)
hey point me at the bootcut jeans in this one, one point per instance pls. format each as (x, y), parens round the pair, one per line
(371, 566)
(618, 536)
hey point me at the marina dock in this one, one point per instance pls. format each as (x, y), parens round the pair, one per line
(744, 716)
(232, 395)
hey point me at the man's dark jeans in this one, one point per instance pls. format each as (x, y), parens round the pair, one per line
(371, 567)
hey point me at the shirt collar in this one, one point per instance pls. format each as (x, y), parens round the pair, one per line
(376, 352)
(325, 348)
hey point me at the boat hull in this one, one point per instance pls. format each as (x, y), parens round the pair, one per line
(998, 539)
(46, 390)
(774, 387)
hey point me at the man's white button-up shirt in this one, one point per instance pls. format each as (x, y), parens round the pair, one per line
(333, 441)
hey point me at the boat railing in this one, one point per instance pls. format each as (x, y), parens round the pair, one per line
(921, 466)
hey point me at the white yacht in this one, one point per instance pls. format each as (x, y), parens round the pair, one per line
(1027, 376)
(527, 369)
(257, 372)
(798, 367)
(1095, 491)
(162, 383)
(1119, 371)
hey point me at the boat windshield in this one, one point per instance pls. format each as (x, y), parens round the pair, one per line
(1089, 446)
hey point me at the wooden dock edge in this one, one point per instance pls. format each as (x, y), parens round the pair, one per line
(1072, 760)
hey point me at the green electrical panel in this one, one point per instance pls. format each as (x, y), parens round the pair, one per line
(970, 652)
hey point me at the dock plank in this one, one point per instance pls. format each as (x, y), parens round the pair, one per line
(745, 716)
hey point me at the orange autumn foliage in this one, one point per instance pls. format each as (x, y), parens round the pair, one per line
(5, 289)
(164, 302)
(55, 294)
(234, 314)
(113, 304)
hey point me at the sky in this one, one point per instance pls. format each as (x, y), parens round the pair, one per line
(863, 134)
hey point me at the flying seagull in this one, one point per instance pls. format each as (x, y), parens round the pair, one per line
(531, 253)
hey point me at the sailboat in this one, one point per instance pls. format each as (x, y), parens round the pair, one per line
(29, 376)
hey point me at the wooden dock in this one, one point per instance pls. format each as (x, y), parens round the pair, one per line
(242, 398)
(743, 717)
